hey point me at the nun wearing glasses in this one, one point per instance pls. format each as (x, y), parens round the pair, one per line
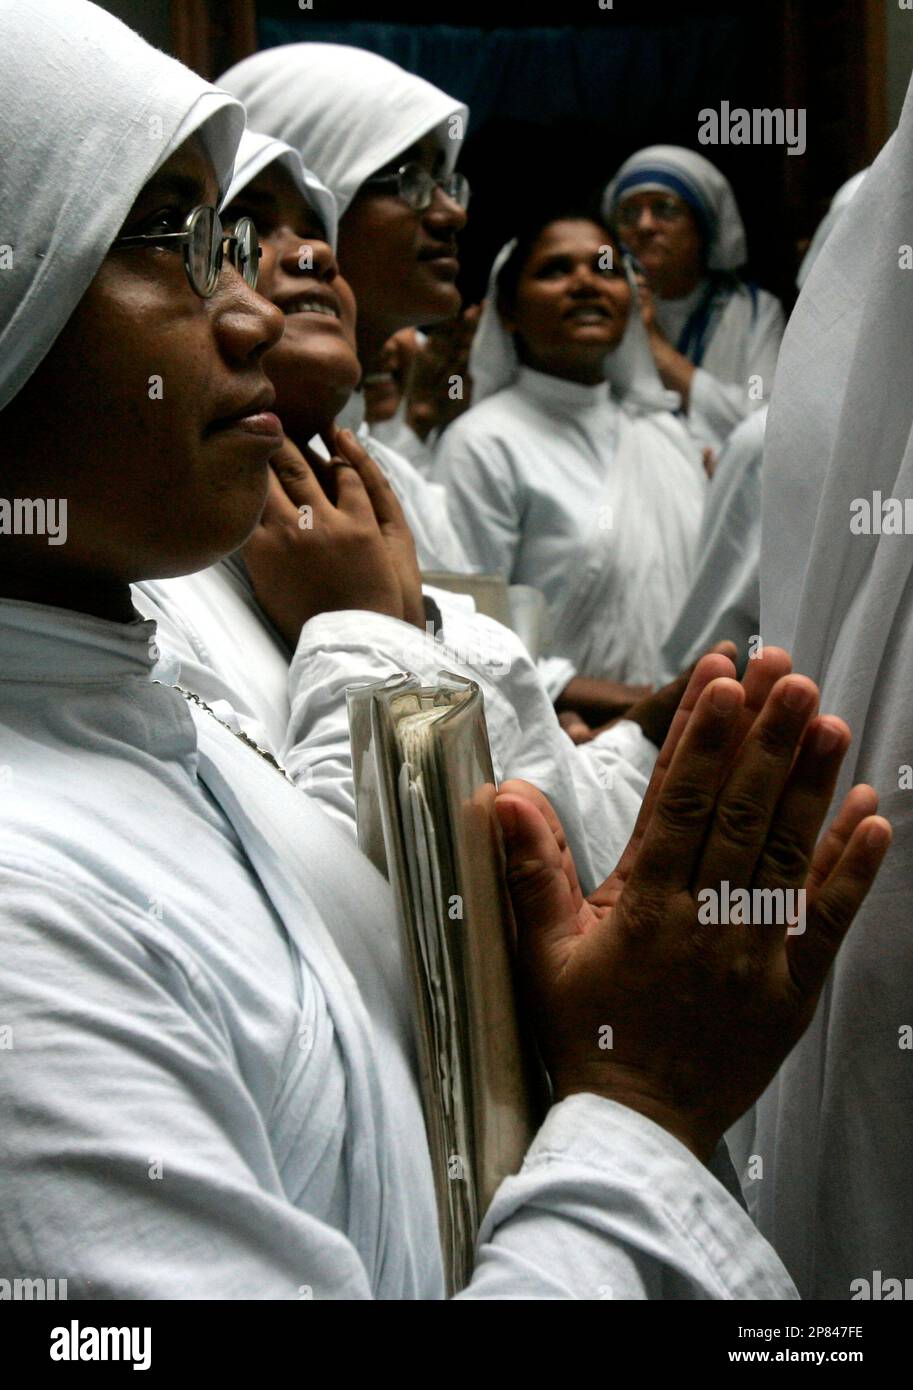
(714, 335)
(386, 144)
(213, 1092)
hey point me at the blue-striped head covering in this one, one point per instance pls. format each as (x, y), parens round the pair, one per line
(699, 184)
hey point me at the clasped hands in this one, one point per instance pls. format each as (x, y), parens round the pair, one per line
(697, 1016)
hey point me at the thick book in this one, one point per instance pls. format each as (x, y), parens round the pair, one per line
(425, 794)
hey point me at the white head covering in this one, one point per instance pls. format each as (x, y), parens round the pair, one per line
(494, 364)
(839, 203)
(257, 152)
(670, 168)
(836, 1128)
(347, 112)
(90, 111)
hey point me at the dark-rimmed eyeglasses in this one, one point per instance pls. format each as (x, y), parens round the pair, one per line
(415, 185)
(204, 242)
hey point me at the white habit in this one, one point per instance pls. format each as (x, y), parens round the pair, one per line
(727, 327)
(556, 484)
(835, 1129)
(210, 1091)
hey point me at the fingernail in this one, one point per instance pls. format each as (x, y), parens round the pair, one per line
(878, 835)
(826, 738)
(795, 696)
(724, 698)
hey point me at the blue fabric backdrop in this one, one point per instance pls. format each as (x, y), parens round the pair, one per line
(557, 109)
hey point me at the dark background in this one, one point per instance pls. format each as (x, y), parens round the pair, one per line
(560, 92)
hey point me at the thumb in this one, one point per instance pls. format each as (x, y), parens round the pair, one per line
(540, 891)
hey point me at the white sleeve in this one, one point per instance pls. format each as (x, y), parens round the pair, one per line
(557, 673)
(611, 774)
(338, 650)
(724, 598)
(136, 1164)
(608, 1205)
(716, 407)
(481, 497)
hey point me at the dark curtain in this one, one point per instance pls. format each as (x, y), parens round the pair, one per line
(555, 110)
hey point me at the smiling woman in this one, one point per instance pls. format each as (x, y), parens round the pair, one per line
(594, 496)
(564, 297)
(386, 143)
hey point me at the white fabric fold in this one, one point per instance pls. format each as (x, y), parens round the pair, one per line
(839, 203)
(101, 111)
(835, 1130)
(347, 112)
(257, 152)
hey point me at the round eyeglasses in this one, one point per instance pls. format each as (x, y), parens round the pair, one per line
(415, 185)
(661, 210)
(203, 242)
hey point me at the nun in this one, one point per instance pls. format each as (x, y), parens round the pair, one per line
(386, 143)
(241, 635)
(593, 494)
(835, 1129)
(211, 1091)
(714, 336)
(724, 601)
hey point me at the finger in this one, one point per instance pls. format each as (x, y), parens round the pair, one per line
(297, 481)
(709, 668)
(860, 801)
(577, 729)
(761, 675)
(790, 843)
(384, 500)
(515, 786)
(539, 890)
(352, 496)
(724, 648)
(278, 510)
(810, 955)
(747, 803)
(673, 839)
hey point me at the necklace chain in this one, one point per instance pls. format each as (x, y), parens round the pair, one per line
(238, 733)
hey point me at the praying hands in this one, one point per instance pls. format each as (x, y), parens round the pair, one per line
(635, 999)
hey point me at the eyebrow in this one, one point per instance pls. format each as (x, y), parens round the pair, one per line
(266, 200)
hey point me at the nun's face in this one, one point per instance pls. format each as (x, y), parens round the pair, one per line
(151, 411)
(314, 366)
(571, 307)
(664, 235)
(402, 264)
